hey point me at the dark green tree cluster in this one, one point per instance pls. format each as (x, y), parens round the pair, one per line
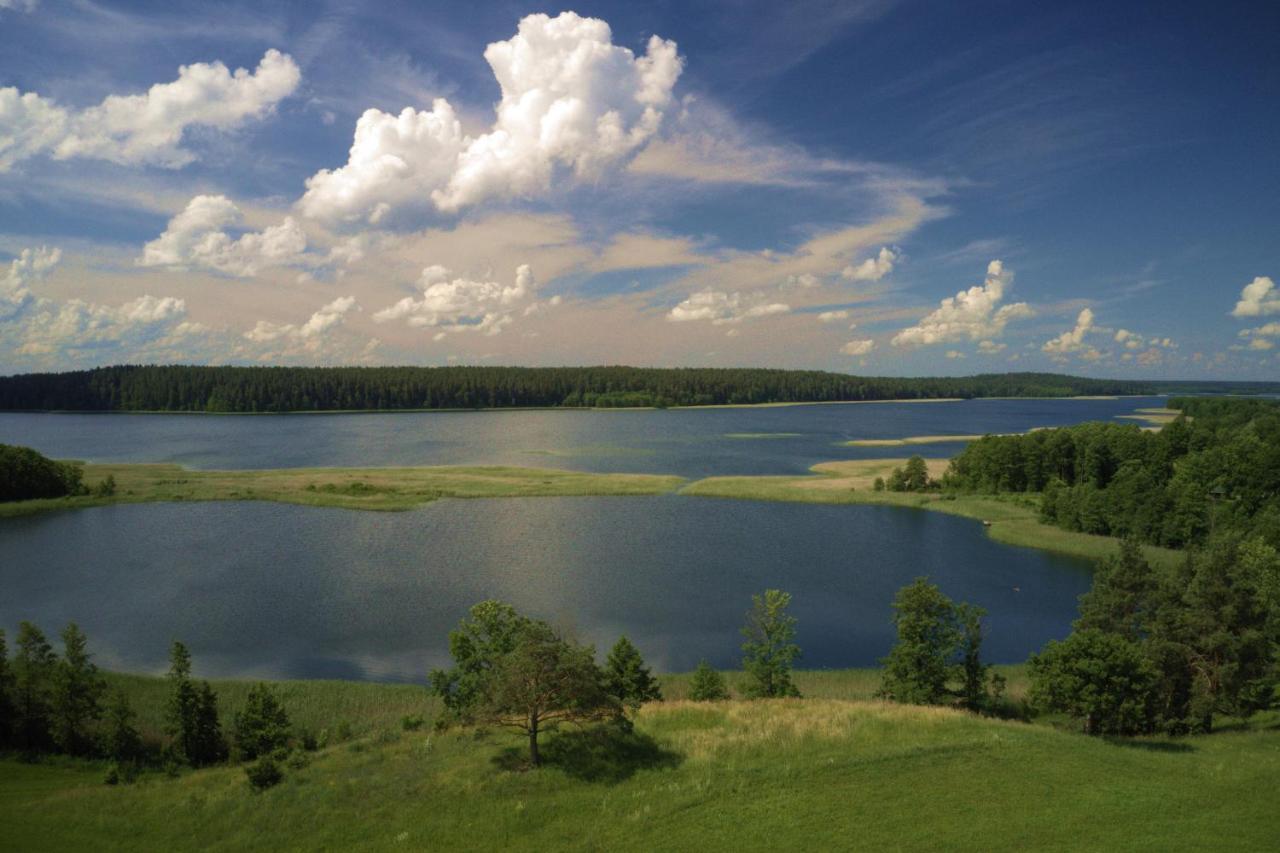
(26, 474)
(516, 672)
(180, 388)
(937, 657)
(191, 715)
(1217, 469)
(912, 477)
(54, 704)
(1169, 651)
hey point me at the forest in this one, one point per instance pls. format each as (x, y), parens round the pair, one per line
(1214, 469)
(288, 389)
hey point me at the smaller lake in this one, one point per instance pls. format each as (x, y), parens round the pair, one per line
(277, 591)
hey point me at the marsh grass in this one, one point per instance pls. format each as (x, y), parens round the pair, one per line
(386, 489)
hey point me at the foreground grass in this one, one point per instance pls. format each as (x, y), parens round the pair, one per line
(1014, 519)
(815, 773)
(347, 488)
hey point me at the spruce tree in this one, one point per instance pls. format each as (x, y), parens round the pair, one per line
(180, 710)
(768, 647)
(627, 678)
(707, 685)
(262, 726)
(77, 694)
(207, 743)
(33, 668)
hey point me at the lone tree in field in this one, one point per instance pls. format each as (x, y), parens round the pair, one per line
(122, 742)
(33, 668)
(938, 641)
(542, 682)
(768, 646)
(77, 694)
(707, 684)
(477, 645)
(627, 678)
(262, 726)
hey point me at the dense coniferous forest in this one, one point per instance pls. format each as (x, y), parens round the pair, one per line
(1216, 469)
(285, 389)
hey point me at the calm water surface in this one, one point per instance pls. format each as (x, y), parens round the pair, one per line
(282, 591)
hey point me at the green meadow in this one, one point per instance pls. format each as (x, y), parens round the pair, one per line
(834, 770)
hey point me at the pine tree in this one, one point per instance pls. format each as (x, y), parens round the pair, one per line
(208, 744)
(180, 711)
(627, 678)
(768, 648)
(262, 726)
(707, 685)
(77, 694)
(33, 668)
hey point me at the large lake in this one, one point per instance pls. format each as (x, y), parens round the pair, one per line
(282, 591)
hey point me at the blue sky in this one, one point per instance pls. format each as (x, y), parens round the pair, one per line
(879, 187)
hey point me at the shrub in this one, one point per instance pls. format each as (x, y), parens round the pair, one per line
(264, 773)
(707, 685)
(412, 722)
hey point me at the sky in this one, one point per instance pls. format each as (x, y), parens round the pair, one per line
(888, 187)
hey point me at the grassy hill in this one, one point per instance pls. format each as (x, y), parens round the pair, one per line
(835, 770)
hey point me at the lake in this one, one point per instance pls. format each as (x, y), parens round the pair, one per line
(278, 591)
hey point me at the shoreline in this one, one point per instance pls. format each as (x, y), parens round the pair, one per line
(1008, 519)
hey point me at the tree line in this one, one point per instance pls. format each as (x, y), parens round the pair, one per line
(27, 474)
(1214, 468)
(181, 388)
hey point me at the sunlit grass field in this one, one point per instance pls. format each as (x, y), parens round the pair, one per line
(834, 770)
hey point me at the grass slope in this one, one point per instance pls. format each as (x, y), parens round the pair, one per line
(347, 488)
(815, 773)
(1015, 518)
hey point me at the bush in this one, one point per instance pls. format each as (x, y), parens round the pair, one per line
(412, 722)
(707, 684)
(26, 475)
(264, 773)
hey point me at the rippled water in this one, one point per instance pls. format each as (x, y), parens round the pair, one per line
(283, 591)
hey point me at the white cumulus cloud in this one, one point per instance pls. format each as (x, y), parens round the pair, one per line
(197, 238)
(833, 316)
(720, 307)
(145, 129)
(571, 100)
(31, 265)
(73, 327)
(1258, 298)
(307, 333)
(873, 269)
(858, 347)
(461, 304)
(972, 314)
(1073, 340)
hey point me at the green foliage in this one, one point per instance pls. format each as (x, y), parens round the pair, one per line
(1102, 679)
(768, 647)
(191, 718)
(77, 694)
(1208, 633)
(8, 712)
(412, 722)
(26, 475)
(262, 726)
(627, 678)
(939, 643)
(707, 684)
(477, 646)
(123, 743)
(1216, 472)
(34, 665)
(912, 477)
(281, 389)
(106, 488)
(264, 773)
(544, 681)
